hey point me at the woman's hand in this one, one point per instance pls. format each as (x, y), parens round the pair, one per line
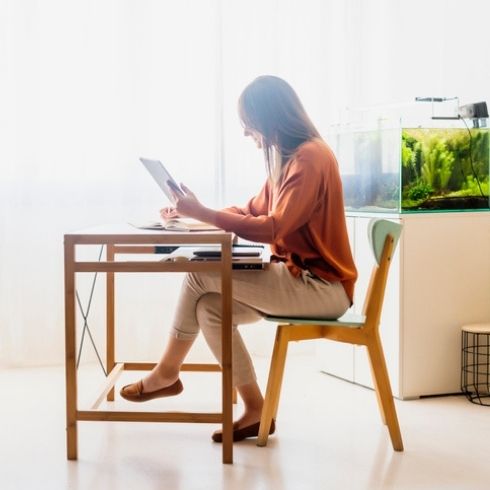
(168, 213)
(186, 203)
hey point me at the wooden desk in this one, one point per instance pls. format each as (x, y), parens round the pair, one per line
(126, 239)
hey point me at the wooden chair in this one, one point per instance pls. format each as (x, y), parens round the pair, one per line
(352, 329)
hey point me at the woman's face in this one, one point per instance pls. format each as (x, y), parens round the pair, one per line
(255, 135)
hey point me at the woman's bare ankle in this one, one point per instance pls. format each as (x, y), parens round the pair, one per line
(157, 380)
(249, 417)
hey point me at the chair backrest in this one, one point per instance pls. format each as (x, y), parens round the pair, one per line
(378, 229)
(383, 237)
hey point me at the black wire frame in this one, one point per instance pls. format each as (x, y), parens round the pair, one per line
(475, 367)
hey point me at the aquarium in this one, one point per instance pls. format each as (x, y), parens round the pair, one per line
(414, 169)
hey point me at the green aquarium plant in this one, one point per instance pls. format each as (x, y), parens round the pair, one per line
(445, 168)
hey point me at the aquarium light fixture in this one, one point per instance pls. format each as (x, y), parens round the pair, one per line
(440, 99)
(434, 99)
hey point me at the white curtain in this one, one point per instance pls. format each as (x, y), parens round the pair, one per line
(88, 86)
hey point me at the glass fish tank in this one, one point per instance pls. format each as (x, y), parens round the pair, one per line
(419, 169)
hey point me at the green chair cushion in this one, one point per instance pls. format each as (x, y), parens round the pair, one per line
(348, 320)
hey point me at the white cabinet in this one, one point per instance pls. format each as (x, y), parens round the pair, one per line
(439, 280)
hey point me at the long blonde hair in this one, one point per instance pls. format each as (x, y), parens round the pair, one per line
(270, 106)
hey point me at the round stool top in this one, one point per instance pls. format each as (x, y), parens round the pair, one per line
(477, 328)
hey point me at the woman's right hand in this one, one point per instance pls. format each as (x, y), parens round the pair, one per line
(169, 213)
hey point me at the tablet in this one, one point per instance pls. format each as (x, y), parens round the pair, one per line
(162, 177)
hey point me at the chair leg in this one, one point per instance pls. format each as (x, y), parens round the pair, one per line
(385, 395)
(376, 390)
(274, 382)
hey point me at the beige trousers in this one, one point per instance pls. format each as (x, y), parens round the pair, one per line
(273, 291)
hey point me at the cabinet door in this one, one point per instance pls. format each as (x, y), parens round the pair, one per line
(446, 284)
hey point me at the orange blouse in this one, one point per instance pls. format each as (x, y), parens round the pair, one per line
(303, 219)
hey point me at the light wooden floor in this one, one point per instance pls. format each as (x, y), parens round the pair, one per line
(329, 435)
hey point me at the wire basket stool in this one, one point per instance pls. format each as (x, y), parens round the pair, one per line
(475, 363)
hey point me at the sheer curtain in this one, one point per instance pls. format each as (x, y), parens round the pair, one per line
(88, 86)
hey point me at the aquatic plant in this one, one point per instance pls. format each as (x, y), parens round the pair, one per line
(472, 187)
(438, 163)
(420, 191)
(411, 156)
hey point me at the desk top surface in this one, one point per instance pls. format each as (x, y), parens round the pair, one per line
(129, 233)
(128, 229)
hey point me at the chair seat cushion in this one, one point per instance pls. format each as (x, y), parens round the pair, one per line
(349, 320)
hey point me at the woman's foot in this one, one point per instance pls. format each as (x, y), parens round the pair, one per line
(138, 392)
(246, 426)
(241, 432)
(159, 378)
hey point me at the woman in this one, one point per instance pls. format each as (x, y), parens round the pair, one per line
(300, 213)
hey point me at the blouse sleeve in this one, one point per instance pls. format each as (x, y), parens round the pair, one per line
(296, 199)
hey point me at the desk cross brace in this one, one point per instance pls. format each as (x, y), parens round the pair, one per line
(85, 320)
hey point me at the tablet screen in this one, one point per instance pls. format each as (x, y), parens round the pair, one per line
(161, 176)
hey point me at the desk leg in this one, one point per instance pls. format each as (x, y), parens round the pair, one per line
(226, 352)
(110, 319)
(70, 351)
